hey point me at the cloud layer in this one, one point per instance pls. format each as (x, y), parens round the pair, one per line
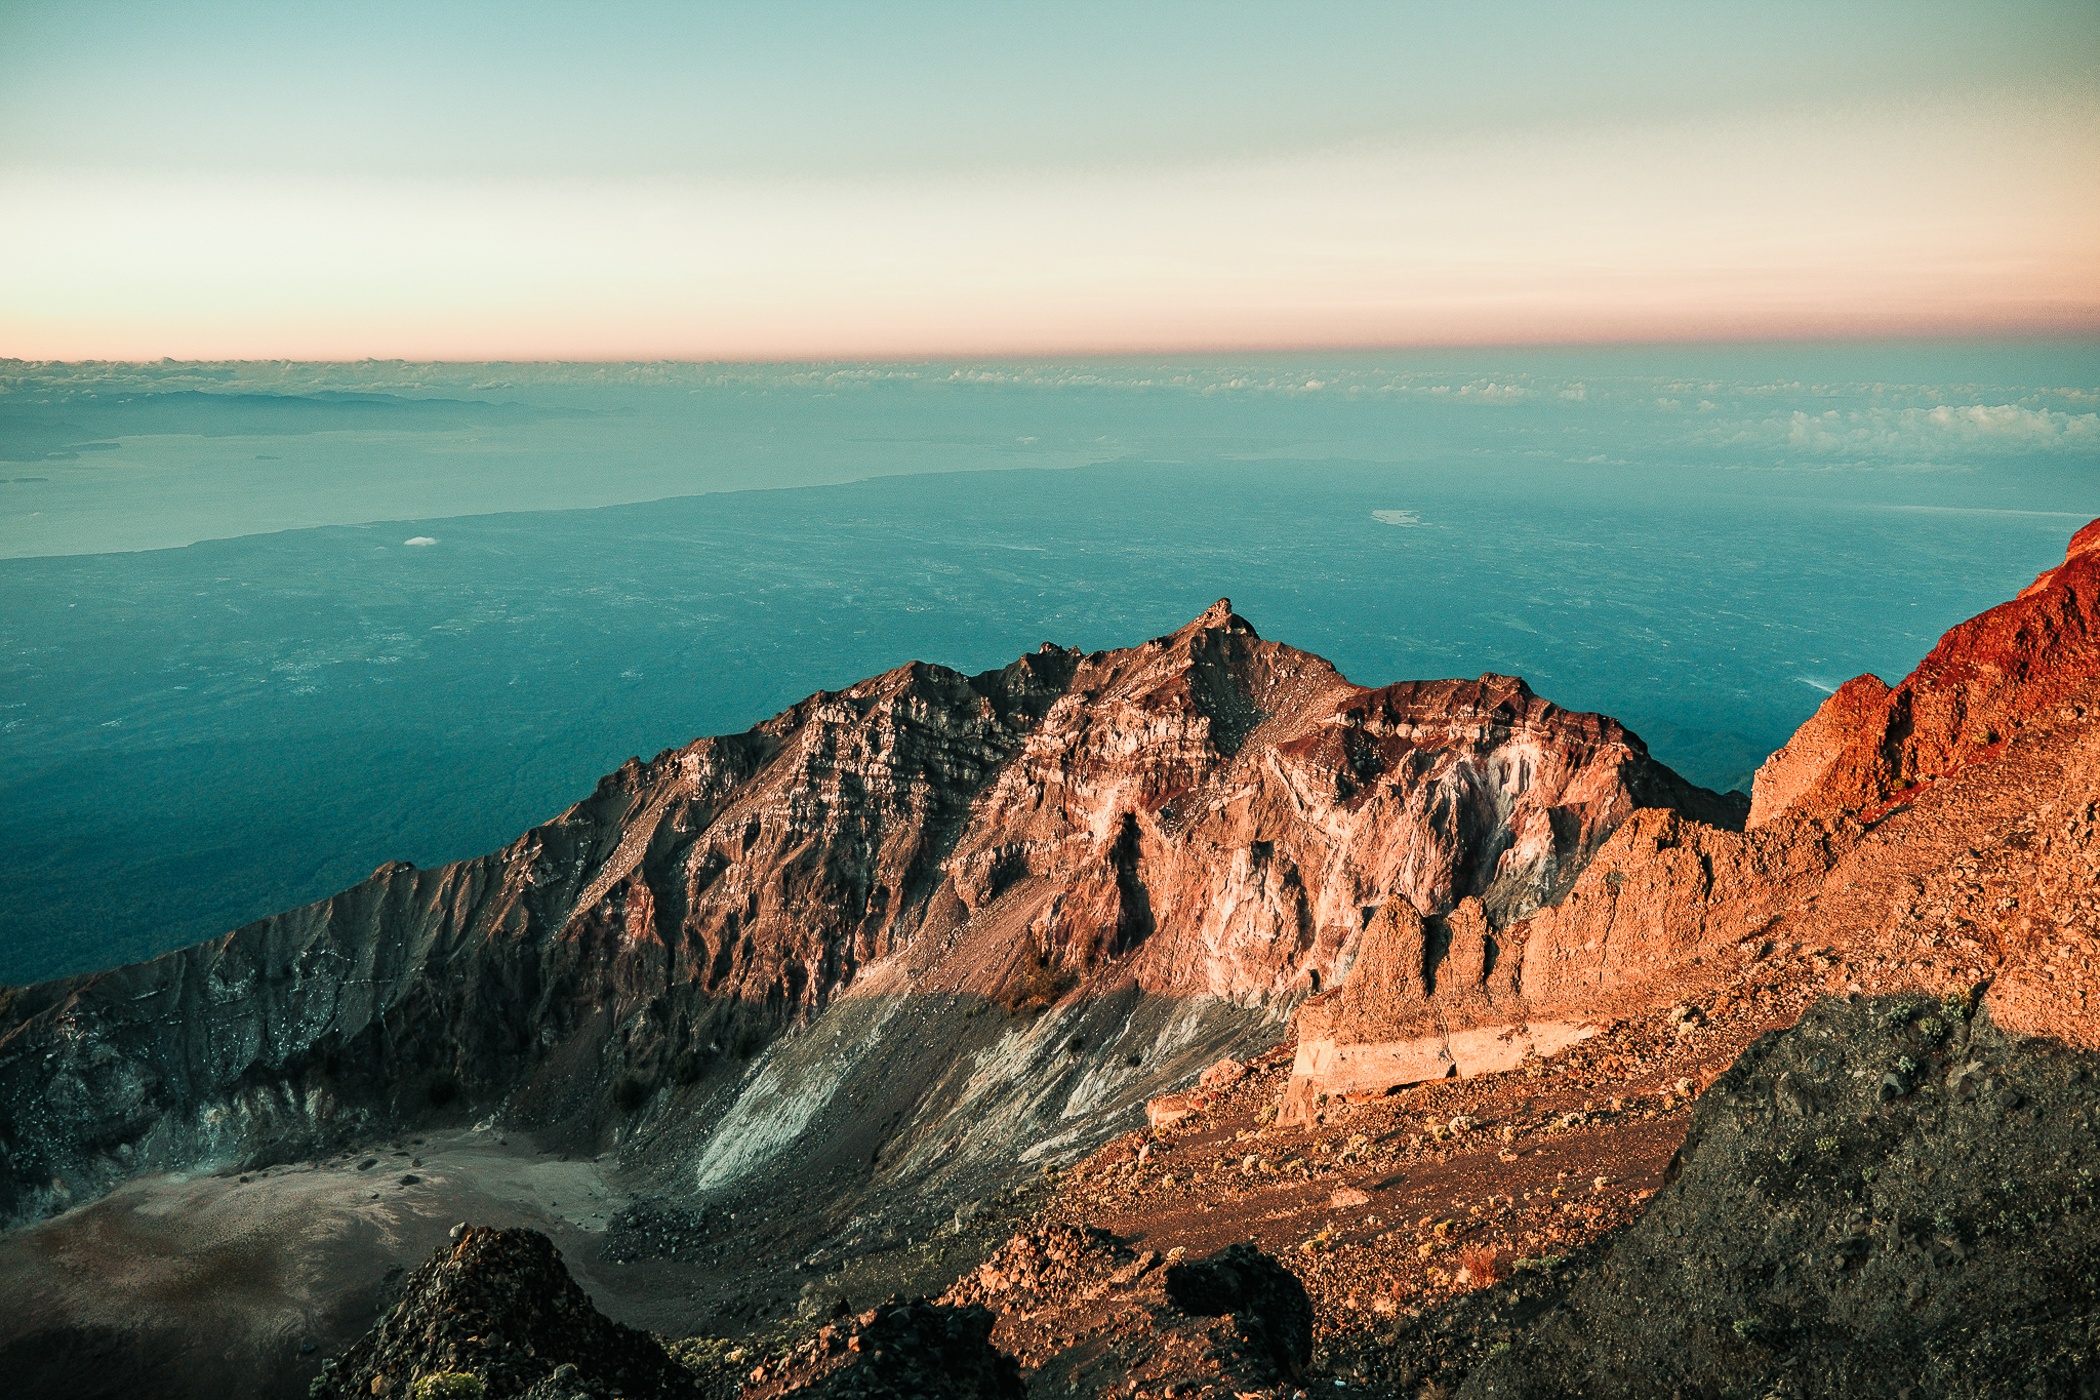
(1962, 429)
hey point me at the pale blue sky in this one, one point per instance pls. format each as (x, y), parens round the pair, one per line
(809, 178)
(797, 87)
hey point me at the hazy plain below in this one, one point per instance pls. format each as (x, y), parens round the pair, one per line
(265, 626)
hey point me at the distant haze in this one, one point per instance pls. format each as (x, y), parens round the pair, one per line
(832, 180)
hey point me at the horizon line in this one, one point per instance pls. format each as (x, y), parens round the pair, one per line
(2072, 335)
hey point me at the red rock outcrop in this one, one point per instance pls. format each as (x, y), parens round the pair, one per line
(1953, 819)
(1987, 677)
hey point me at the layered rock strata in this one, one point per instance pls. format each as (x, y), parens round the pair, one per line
(925, 921)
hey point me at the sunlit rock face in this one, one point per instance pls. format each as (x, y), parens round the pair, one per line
(1039, 894)
(1988, 678)
(1938, 833)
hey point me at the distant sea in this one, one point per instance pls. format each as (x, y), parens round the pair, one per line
(264, 626)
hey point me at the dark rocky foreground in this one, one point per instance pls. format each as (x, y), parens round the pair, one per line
(1891, 1199)
(1087, 1315)
(896, 1351)
(499, 1306)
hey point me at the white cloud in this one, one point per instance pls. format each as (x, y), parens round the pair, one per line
(1935, 431)
(419, 540)
(2007, 420)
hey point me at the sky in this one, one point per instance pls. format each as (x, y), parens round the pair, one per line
(793, 179)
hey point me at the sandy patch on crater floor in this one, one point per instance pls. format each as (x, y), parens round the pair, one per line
(237, 1284)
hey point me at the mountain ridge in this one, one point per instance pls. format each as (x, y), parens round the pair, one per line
(1207, 815)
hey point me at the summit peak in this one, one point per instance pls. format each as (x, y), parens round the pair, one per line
(1219, 616)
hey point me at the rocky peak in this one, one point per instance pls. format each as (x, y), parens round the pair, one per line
(500, 1306)
(1206, 821)
(1219, 616)
(2084, 543)
(1986, 678)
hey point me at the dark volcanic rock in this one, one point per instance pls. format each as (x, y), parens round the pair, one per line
(1265, 1301)
(1889, 1199)
(1085, 1315)
(654, 1230)
(500, 1305)
(897, 1351)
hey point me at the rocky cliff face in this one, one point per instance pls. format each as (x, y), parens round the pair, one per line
(1987, 678)
(1935, 834)
(926, 917)
(1870, 836)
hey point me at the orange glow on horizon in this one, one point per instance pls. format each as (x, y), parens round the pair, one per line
(1963, 221)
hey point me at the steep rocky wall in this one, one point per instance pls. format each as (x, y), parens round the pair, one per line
(1221, 816)
(552, 980)
(900, 1106)
(1989, 746)
(1205, 822)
